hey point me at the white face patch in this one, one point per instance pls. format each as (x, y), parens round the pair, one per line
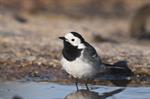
(75, 41)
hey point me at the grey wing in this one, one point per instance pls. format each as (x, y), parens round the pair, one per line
(91, 54)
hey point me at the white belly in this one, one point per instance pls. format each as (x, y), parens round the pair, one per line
(78, 68)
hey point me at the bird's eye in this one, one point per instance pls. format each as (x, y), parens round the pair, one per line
(72, 39)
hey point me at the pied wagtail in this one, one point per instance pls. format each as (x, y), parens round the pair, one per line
(80, 59)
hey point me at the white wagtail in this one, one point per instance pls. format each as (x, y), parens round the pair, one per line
(80, 59)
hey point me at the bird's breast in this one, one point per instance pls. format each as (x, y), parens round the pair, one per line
(79, 68)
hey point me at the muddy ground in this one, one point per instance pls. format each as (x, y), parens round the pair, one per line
(30, 49)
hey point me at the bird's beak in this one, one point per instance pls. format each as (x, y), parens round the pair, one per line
(62, 38)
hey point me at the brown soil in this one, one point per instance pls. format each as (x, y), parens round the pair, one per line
(31, 49)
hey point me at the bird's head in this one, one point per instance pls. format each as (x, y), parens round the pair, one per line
(74, 39)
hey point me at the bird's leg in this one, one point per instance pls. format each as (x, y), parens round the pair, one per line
(86, 84)
(76, 83)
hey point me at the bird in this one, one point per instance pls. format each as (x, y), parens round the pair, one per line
(79, 58)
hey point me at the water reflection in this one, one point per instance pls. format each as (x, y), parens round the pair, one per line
(46, 90)
(17, 97)
(85, 94)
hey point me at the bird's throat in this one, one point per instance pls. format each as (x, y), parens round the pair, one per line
(71, 52)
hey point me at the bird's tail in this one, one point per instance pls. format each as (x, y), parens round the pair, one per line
(120, 67)
(112, 66)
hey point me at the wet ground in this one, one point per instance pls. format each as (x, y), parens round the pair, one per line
(46, 90)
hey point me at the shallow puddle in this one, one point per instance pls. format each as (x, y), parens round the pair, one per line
(46, 90)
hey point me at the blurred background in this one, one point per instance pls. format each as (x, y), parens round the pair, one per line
(137, 11)
(78, 8)
(29, 31)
